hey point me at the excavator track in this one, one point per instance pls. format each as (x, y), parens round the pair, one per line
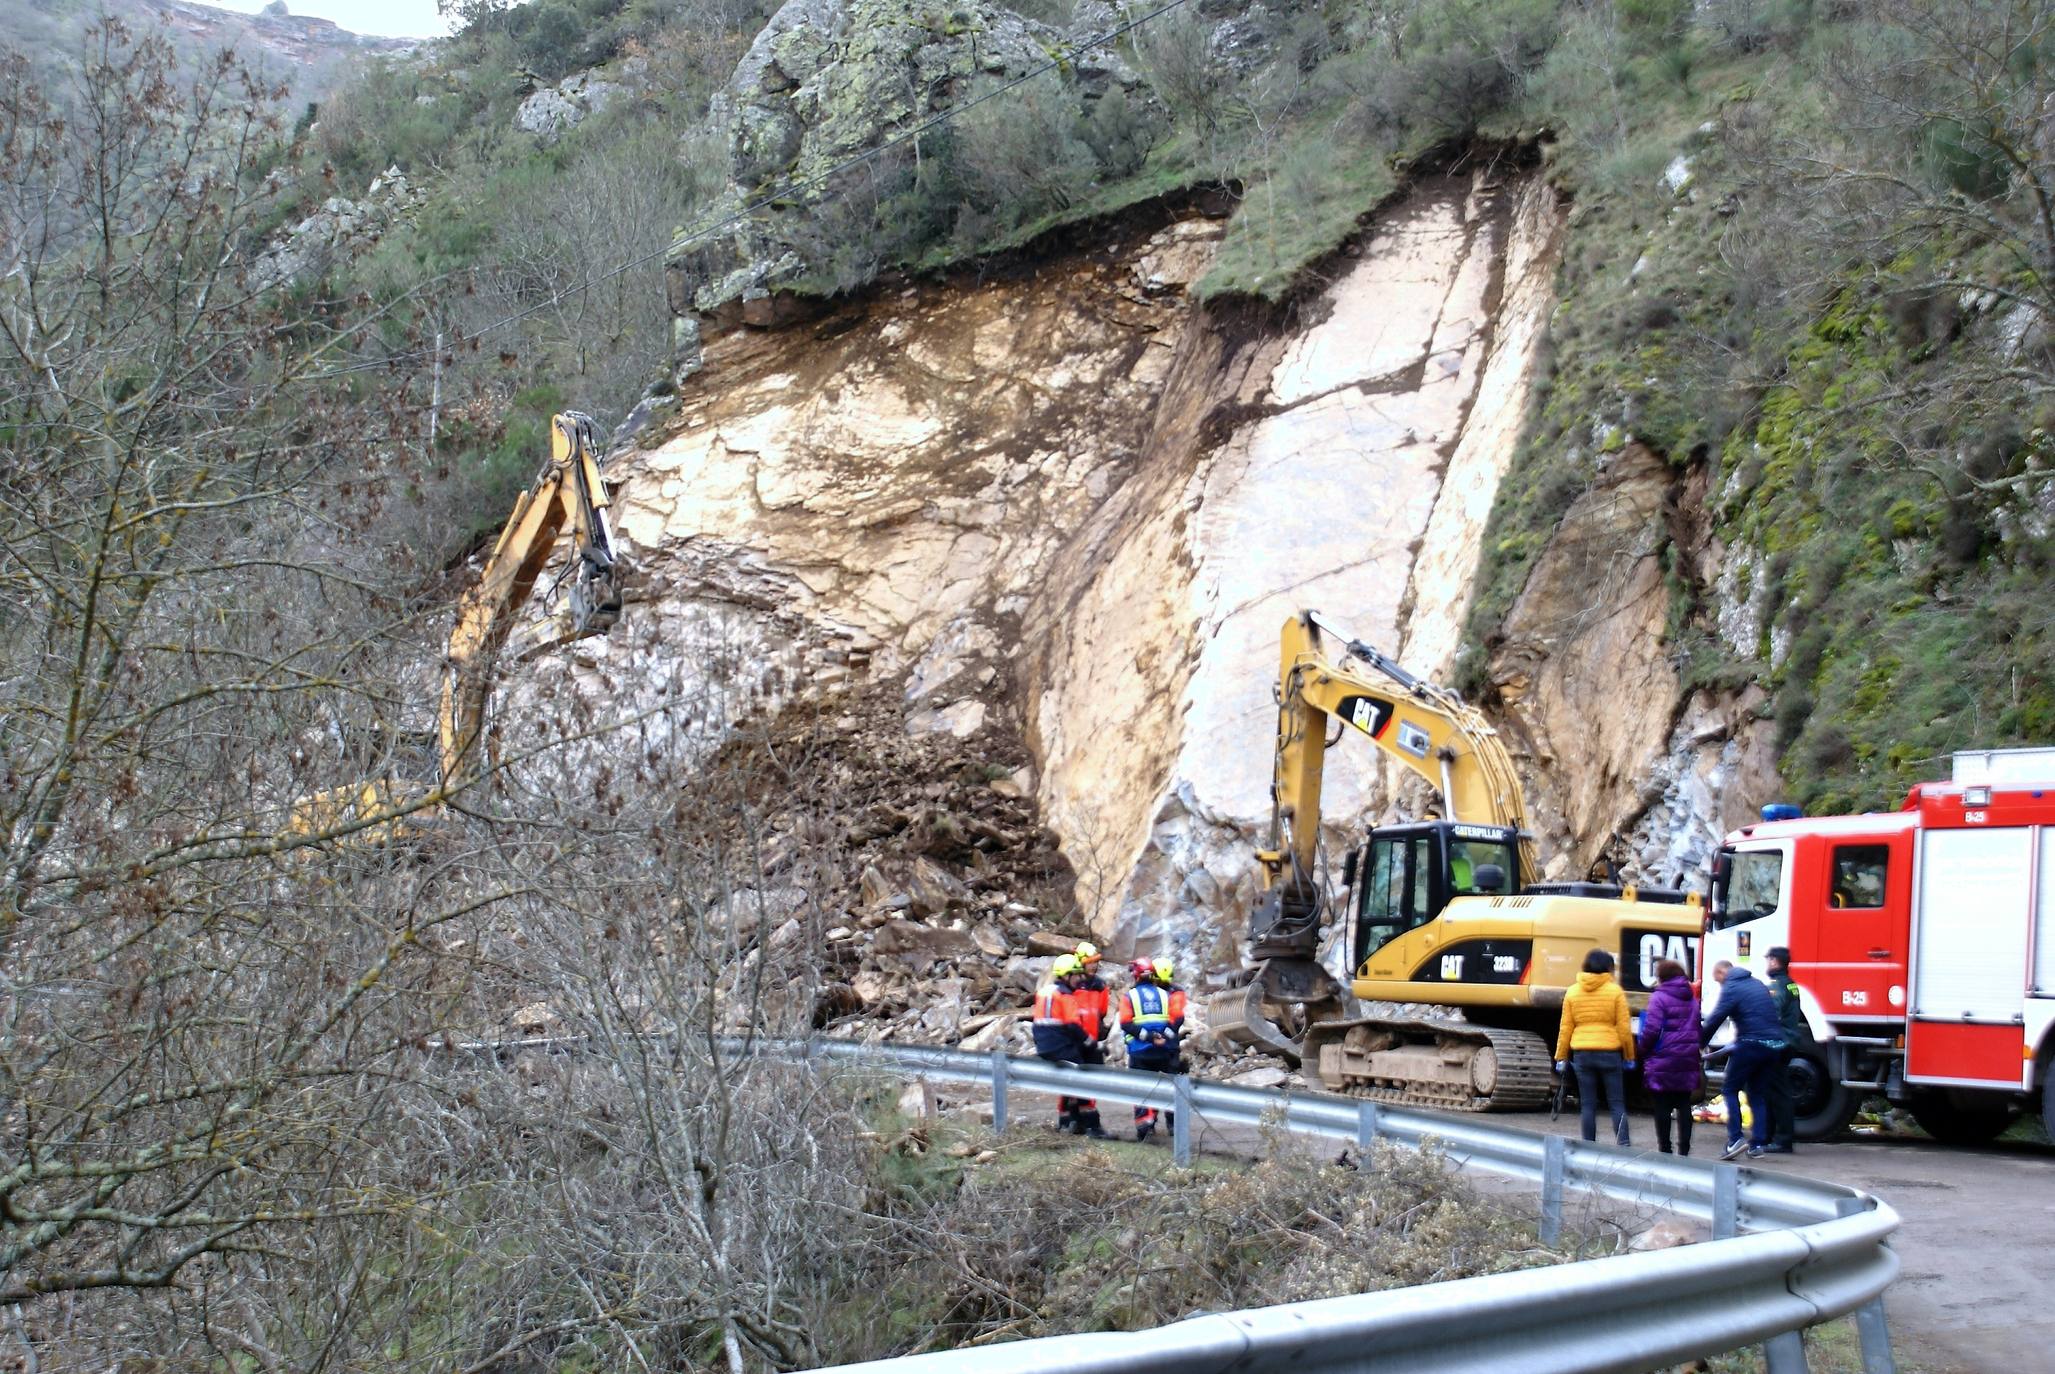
(1450, 1066)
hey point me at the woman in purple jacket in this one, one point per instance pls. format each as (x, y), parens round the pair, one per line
(1670, 1066)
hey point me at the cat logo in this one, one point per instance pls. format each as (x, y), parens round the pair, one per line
(1368, 714)
(1647, 948)
(1451, 968)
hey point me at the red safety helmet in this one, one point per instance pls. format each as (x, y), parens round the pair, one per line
(1142, 970)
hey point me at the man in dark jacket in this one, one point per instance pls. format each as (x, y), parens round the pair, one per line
(1791, 1017)
(1758, 1040)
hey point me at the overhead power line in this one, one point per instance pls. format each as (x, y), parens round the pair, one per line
(1062, 59)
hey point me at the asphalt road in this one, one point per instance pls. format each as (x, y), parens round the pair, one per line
(1977, 1291)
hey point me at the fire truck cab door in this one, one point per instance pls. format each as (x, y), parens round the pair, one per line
(1851, 925)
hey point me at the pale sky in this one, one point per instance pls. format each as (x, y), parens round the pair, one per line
(392, 18)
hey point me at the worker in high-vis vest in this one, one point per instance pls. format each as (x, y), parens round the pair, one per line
(1092, 988)
(1152, 1016)
(1067, 1031)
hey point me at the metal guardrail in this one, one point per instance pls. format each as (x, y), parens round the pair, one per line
(1787, 1252)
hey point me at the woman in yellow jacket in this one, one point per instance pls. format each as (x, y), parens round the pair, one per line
(1597, 1039)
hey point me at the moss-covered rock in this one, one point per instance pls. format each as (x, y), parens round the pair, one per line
(828, 81)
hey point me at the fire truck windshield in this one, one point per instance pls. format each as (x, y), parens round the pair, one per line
(1755, 885)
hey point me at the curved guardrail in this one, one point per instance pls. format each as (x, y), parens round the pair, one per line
(1787, 1252)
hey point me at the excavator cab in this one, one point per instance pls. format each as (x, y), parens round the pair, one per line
(1408, 873)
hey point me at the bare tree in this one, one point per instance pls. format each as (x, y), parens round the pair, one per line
(1931, 152)
(198, 1020)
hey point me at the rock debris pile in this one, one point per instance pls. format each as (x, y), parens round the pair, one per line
(906, 879)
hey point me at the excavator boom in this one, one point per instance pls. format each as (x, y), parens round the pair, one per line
(568, 492)
(1427, 729)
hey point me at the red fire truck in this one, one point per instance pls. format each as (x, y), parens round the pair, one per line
(1922, 941)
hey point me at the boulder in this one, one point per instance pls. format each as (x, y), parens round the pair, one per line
(933, 891)
(993, 1033)
(547, 113)
(990, 941)
(959, 720)
(1050, 942)
(873, 987)
(912, 940)
(553, 109)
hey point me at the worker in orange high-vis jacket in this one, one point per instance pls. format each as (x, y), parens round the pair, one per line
(1097, 998)
(1092, 988)
(1067, 1030)
(1152, 1015)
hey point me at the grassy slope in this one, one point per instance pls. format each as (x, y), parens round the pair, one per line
(1902, 621)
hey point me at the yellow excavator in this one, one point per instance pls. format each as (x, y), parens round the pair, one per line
(1444, 913)
(568, 491)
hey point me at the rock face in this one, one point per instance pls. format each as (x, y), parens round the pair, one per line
(306, 49)
(827, 80)
(1049, 521)
(553, 109)
(1624, 763)
(1069, 503)
(340, 226)
(1362, 457)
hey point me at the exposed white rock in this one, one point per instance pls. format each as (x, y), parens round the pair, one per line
(961, 719)
(1327, 497)
(548, 112)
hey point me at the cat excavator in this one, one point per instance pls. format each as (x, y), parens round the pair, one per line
(568, 491)
(1447, 912)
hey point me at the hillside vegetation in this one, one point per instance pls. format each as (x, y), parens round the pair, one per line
(1804, 253)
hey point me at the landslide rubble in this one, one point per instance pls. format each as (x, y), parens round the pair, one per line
(905, 879)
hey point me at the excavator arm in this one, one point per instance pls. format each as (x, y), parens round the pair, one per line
(568, 492)
(1426, 728)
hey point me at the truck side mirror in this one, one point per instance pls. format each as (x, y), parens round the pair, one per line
(1488, 878)
(1722, 874)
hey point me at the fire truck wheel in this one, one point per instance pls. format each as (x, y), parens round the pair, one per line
(1962, 1118)
(1821, 1107)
